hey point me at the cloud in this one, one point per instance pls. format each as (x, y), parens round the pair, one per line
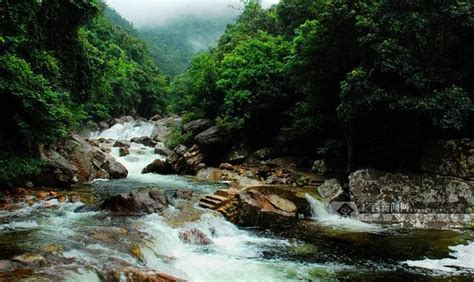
(144, 13)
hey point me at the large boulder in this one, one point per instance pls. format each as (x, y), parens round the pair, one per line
(330, 190)
(450, 158)
(158, 166)
(267, 211)
(422, 200)
(137, 202)
(211, 137)
(57, 172)
(161, 149)
(196, 126)
(91, 162)
(186, 161)
(115, 169)
(160, 133)
(163, 126)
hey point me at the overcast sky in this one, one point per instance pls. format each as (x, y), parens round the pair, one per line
(155, 12)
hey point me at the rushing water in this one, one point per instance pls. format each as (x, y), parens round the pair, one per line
(83, 246)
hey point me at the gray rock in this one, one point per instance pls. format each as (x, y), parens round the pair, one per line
(319, 166)
(381, 192)
(180, 149)
(237, 155)
(195, 237)
(115, 169)
(6, 266)
(161, 149)
(137, 202)
(209, 137)
(196, 126)
(158, 166)
(103, 125)
(330, 190)
(160, 133)
(57, 172)
(144, 140)
(121, 143)
(183, 194)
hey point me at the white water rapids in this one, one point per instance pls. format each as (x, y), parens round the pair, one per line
(96, 242)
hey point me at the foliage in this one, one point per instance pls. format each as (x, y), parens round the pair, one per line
(175, 43)
(125, 80)
(194, 93)
(177, 137)
(63, 63)
(383, 76)
(13, 169)
(252, 80)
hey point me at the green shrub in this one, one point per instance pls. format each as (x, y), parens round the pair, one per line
(15, 170)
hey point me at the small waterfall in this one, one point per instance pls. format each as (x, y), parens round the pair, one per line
(323, 213)
(125, 131)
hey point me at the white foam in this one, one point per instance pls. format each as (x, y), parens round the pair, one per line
(125, 131)
(234, 255)
(19, 225)
(462, 257)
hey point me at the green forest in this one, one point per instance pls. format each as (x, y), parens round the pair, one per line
(364, 83)
(236, 140)
(63, 65)
(174, 44)
(359, 82)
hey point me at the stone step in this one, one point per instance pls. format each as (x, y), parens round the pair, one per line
(217, 197)
(211, 201)
(206, 205)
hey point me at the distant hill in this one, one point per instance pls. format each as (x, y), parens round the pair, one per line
(173, 45)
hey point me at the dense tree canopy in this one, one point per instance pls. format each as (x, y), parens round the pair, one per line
(381, 76)
(63, 63)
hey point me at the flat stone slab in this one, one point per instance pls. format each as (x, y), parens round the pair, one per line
(419, 220)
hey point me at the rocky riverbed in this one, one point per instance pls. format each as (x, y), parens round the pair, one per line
(251, 216)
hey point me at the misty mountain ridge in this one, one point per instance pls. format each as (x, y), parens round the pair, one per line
(174, 44)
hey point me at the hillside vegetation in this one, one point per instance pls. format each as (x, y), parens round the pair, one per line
(64, 63)
(364, 83)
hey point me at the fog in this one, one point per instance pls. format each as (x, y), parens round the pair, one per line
(146, 13)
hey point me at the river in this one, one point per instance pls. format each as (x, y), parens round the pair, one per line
(83, 246)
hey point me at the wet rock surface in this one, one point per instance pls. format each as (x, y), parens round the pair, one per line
(77, 160)
(194, 237)
(130, 274)
(259, 210)
(158, 166)
(137, 202)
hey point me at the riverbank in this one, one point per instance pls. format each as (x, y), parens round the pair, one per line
(68, 233)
